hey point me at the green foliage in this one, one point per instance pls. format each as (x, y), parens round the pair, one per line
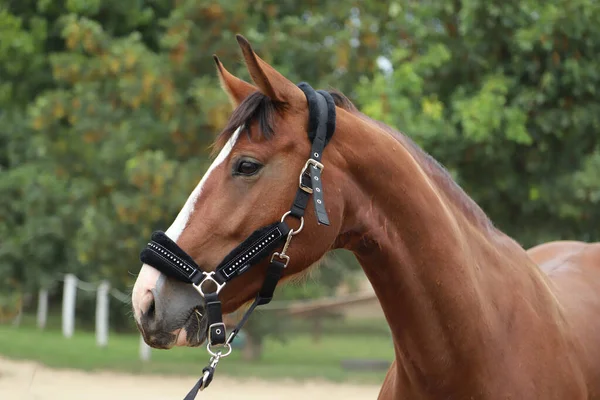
(505, 95)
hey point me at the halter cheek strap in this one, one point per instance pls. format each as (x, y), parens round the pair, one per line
(321, 126)
(165, 255)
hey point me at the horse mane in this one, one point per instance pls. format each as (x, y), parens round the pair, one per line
(257, 107)
(261, 108)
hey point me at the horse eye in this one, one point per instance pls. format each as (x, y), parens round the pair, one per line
(247, 168)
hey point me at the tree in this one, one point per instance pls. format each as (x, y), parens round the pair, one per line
(504, 94)
(111, 109)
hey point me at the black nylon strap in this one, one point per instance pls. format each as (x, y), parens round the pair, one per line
(216, 327)
(324, 132)
(315, 175)
(274, 273)
(252, 250)
(194, 392)
(321, 126)
(243, 321)
(301, 199)
(265, 295)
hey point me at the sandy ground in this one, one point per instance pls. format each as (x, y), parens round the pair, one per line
(25, 380)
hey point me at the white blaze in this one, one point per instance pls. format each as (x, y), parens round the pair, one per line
(148, 275)
(184, 215)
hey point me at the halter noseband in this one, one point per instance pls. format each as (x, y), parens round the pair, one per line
(165, 255)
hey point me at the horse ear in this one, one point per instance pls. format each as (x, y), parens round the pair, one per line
(269, 81)
(236, 89)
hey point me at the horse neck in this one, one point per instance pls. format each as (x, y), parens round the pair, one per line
(439, 273)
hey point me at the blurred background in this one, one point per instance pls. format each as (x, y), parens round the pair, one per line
(108, 109)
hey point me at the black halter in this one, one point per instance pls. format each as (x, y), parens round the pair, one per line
(165, 255)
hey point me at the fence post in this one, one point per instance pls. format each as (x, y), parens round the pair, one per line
(145, 350)
(42, 310)
(68, 306)
(102, 314)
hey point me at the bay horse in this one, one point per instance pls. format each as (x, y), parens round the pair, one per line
(471, 313)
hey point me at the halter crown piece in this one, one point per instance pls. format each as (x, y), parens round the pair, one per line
(166, 256)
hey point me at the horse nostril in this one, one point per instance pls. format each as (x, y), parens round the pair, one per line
(148, 305)
(151, 310)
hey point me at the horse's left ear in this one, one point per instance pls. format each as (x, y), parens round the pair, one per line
(236, 89)
(269, 81)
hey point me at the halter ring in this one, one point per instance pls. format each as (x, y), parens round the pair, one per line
(294, 232)
(218, 354)
(208, 276)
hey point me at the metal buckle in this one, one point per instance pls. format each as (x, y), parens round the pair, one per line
(208, 276)
(222, 324)
(281, 257)
(316, 165)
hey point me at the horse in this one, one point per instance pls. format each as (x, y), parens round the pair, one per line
(472, 314)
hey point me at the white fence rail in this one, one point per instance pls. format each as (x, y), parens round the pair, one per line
(103, 292)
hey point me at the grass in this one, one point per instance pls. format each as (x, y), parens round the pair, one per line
(298, 358)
